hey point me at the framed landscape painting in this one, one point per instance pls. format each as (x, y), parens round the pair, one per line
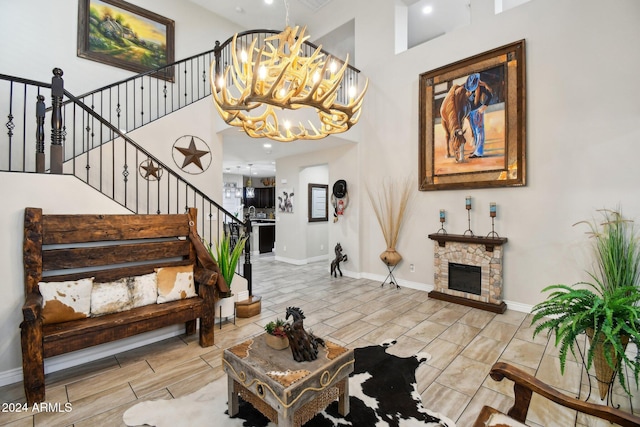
(123, 35)
(472, 122)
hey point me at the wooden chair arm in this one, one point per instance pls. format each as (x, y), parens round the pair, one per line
(525, 384)
(32, 307)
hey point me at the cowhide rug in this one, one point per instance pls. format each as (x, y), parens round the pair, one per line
(382, 391)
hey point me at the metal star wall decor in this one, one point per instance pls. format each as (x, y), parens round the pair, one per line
(191, 154)
(149, 171)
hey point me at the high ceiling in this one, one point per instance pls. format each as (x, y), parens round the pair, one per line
(240, 150)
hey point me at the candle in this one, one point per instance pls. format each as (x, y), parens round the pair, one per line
(467, 203)
(492, 210)
(442, 217)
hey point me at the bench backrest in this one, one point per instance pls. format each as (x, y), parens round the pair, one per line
(107, 247)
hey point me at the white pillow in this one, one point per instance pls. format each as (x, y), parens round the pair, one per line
(175, 283)
(110, 297)
(64, 301)
(143, 289)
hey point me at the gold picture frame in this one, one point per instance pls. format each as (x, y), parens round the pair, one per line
(472, 122)
(123, 35)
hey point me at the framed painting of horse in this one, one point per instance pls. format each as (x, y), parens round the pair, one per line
(472, 122)
(124, 35)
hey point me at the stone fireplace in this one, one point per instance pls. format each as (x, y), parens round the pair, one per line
(468, 270)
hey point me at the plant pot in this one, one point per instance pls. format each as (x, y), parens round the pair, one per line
(277, 343)
(604, 372)
(390, 257)
(225, 307)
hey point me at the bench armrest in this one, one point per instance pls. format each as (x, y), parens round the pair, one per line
(32, 307)
(204, 276)
(525, 384)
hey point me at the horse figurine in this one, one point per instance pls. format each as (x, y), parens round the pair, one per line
(304, 345)
(335, 264)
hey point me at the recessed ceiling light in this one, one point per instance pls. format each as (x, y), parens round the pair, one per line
(266, 145)
(427, 9)
(239, 9)
(268, 1)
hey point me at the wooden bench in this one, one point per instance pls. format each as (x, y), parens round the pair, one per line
(60, 248)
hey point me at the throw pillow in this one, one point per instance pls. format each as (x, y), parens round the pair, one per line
(175, 283)
(143, 289)
(65, 301)
(110, 297)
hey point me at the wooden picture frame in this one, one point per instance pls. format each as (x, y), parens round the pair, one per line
(480, 103)
(123, 35)
(318, 202)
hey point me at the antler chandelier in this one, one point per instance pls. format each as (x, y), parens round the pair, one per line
(276, 77)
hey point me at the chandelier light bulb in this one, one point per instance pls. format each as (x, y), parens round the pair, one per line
(243, 56)
(352, 92)
(262, 72)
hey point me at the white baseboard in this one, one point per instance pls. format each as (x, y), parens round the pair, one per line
(301, 261)
(401, 282)
(518, 306)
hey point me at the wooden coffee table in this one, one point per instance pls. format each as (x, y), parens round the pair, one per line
(287, 392)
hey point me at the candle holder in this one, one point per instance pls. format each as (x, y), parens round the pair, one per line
(442, 220)
(492, 214)
(467, 205)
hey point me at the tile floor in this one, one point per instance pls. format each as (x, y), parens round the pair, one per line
(463, 342)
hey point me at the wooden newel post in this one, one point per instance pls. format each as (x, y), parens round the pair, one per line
(57, 92)
(40, 158)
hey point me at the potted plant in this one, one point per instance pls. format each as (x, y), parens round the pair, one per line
(604, 308)
(276, 336)
(227, 260)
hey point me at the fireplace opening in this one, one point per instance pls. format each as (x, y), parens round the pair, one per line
(465, 278)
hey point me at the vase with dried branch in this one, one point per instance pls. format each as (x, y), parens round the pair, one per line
(389, 203)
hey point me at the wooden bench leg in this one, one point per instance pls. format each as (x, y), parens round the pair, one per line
(207, 328)
(32, 361)
(190, 327)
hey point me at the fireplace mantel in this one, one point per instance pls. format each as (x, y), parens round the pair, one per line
(488, 242)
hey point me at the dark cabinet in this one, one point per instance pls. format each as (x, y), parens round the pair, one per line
(263, 198)
(267, 236)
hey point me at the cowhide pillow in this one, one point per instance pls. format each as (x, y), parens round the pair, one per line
(175, 283)
(110, 297)
(65, 301)
(124, 294)
(143, 289)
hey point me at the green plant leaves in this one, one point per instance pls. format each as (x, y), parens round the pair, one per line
(226, 258)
